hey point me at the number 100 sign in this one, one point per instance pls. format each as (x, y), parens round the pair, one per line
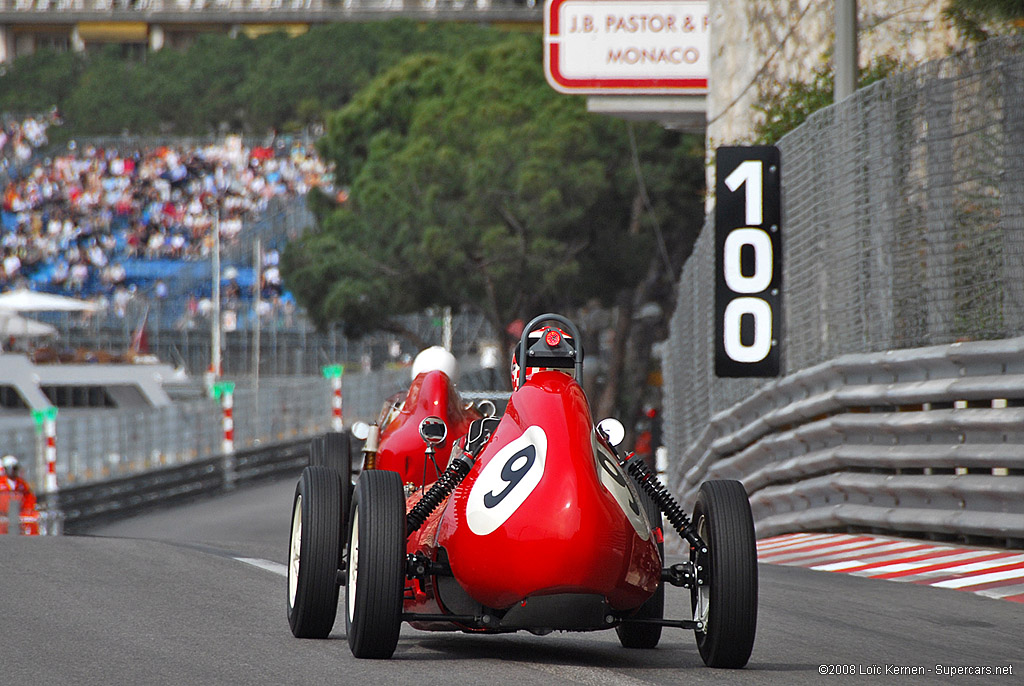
(748, 262)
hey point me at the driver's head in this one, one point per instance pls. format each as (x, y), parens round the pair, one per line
(436, 358)
(553, 338)
(10, 465)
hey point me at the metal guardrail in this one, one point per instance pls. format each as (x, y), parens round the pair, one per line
(81, 507)
(174, 453)
(926, 441)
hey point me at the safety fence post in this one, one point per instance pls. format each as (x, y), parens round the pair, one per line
(334, 372)
(46, 423)
(225, 392)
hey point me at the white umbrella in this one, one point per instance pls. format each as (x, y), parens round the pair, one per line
(24, 300)
(16, 326)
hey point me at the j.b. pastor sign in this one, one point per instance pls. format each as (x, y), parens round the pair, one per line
(626, 46)
(748, 262)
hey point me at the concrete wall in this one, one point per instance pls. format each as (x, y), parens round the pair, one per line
(757, 45)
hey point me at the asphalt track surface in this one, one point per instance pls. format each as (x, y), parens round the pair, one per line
(162, 599)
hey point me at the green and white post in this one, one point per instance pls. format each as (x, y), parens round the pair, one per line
(225, 392)
(46, 425)
(334, 372)
(46, 421)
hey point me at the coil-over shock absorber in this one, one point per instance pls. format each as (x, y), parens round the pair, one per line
(647, 480)
(457, 470)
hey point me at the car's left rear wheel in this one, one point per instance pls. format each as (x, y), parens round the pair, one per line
(375, 588)
(313, 553)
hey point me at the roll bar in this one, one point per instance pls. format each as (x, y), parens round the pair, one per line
(571, 330)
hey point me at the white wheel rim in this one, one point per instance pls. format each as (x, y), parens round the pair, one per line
(702, 609)
(353, 567)
(293, 552)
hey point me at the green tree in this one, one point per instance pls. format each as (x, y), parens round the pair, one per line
(106, 97)
(976, 20)
(246, 84)
(789, 106)
(472, 183)
(37, 82)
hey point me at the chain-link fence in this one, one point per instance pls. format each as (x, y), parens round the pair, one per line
(903, 225)
(298, 349)
(99, 444)
(94, 445)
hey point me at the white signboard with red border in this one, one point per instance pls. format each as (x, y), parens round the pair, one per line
(627, 46)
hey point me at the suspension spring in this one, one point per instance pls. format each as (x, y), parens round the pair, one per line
(457, 470)
(648, 481)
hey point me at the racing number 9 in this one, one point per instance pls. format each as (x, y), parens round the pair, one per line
(748, 240)
(512, 473)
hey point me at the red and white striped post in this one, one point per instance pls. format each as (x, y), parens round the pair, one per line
(334, 372)
(47, 420)
(225, 392)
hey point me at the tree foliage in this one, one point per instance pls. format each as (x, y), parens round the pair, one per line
(789, 106)
(243, 84)
(976, 20)
(473, 183)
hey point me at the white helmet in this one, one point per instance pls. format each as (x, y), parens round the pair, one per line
(436, 358)
(10, 464)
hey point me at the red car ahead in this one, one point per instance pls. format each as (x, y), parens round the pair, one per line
(462, 521)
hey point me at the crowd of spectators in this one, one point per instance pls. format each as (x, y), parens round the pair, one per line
(71, 222)
(21, 136)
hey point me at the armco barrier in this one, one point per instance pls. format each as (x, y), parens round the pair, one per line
(91, 504)
(926, 441)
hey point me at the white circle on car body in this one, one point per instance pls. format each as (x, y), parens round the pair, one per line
(506, 481)
(617, 482)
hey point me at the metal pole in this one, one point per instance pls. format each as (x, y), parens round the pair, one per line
(447, 330)
(846, 70)
(258, 325)
(215, 324)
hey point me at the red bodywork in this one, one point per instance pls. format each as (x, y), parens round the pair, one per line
(549, 517)
(401, 448)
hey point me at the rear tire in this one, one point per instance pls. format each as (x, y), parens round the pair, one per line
(647, 636)
(313, 553)
(334, 451)
(727, 603)
(375, 588)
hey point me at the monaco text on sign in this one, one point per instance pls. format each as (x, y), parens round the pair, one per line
(626, 46)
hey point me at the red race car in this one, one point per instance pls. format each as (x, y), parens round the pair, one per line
(463, 521)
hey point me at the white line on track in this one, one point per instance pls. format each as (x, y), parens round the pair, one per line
(592, 676)
(275, 567)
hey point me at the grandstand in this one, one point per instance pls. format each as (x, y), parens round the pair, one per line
(131, 227)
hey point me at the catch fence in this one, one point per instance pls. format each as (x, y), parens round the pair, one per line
(98, 445)
(94, 445)
(903, 227)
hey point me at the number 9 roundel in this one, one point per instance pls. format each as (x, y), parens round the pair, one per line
(506, 481)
